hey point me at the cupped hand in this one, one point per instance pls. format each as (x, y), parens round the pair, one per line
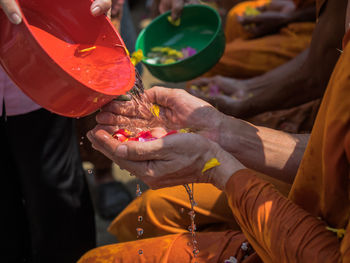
(228, 95)
(175, 6)
(272, 17)
(172, 160)
(117, 6)
(178, 109)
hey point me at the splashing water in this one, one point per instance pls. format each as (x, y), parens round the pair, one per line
(192, 214)
(149, 119)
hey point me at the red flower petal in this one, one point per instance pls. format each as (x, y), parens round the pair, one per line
(170, 133)
(145, 135)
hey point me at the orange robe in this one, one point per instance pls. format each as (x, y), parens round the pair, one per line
(278, 229)
(245, 58)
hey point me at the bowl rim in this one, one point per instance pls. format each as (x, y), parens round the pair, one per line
(218, 29)
(59, 67)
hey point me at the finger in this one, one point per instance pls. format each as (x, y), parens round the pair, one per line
(104, 140)
(129, 108)
(176, 9)
(116, 8)
(198, 94)
(142, 151)
(11, 10)
(108, 118)
(110, 129)
(98, 143)
(246, 20)
(201, 82)
(100, 7)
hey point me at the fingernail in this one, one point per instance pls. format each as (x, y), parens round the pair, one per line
(16, 19)
(122, 151)
(96, 10)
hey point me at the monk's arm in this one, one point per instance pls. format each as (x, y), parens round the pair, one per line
(305, 77)
(278, 229)
(266, 150)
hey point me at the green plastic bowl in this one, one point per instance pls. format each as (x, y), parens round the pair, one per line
(200, 29)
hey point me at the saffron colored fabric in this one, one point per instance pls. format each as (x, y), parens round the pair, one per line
(245, 57)
(279, 229)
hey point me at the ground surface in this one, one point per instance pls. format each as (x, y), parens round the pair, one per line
(103, 237)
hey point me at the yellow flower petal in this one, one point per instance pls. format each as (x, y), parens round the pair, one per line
(213, 162)
(87, 49)
(136, 57)
(155, 110)
(169, 61)
(174, 23)
(184, 130)
(127, 51)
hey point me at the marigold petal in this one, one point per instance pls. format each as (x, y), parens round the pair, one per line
(213, 162)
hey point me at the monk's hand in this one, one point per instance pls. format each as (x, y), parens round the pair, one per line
(11, 10)
(172, 160)
(230, 96)
(175, 6)
(117, 6)
(99, 7)
(268, 19)
(178, 109)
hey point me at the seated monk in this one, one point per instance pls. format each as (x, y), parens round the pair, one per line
(311, 225)
(286, 98)
(308, 79)
(258, 43)
(280, 33)
(298, 230)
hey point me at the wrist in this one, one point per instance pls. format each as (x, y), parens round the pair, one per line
(219, 175)
(229, 133)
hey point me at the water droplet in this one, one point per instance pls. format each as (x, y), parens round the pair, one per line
(140, 252)
(139, 231)
(244, 246)
(89, 171)
(82, 137)
(189, 244)
(81, 143)
(140, 218)
(78, 68)
(190, 228)
(138, 190)
(191, 213)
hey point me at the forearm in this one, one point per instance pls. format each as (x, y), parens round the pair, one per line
(277, 229)
(268, 151)
(305, 77)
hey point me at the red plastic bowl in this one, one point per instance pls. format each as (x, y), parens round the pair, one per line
(45, 56)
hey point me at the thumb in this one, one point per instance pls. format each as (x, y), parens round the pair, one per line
(141, 151)
(12, 11)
